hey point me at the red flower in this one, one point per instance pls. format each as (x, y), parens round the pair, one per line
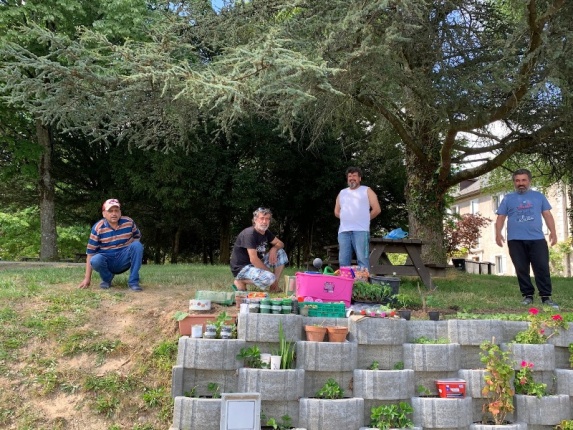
(557, 318)
(541, 331)
(530, 365)
(533, 311)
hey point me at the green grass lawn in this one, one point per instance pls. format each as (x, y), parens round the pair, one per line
(101, 360)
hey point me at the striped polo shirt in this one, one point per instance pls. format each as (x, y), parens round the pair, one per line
(106, 240)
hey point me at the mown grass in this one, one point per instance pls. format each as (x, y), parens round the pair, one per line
(47, 323)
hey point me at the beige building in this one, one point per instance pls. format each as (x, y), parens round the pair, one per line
(469, 198)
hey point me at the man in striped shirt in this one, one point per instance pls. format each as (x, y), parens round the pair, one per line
(113, 248)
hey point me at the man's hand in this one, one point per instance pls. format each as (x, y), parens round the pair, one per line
(552, 239)
(273, 255)
(274, 288)
(499, 239)
(85, 283)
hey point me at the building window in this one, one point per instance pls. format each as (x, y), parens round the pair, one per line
(500, 264)
(496, 201)
(474, 207)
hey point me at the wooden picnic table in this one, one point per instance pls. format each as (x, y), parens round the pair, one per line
(381, 265)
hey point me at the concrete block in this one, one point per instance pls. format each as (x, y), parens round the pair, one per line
(547, 410)
(265, 327)
(470, 357)
(196, 414)
(320, 414)
(435, 412)
(475, 381)
(564, 338)
(216, 354)
(513, 426)
(475, 332)
(564, 379)
(511, 328)
(432, 357)
(272, 384)
(387, 356)
(429, 329)
(278, 409)
(427, 380)
(384, 384)
(314, 381)
(196, 381)
(562, 356)
(326, 356)
(541, 355)
(377, 331)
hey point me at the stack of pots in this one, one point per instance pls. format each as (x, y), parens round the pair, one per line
(265, 306)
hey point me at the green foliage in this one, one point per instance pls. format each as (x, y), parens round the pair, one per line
(427, 340)
(498, 387)
(375, 293)
(374, 366)
(384, 417)
(565, 425)
(542, 326)
(525, 382)
(570, 349)
(214, 389)
(287, 350)
(330, 390)
(399, 365)
(222, 319)
(284, 423)
(423, 390)
(251, 357)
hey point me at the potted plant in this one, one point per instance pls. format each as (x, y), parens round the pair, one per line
(498, 388)
(404, 302)
(287, 350)
(384, 417)
(315, 333)
(366, 292)
(337, 333)
(251, 357)
(330, 390)
(542, 326)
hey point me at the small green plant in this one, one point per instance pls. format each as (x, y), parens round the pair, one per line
(251, 357)
(213, 388)
(374, 366)
(570, 354)
(404, 301)
(330, 390)
(287, 350)
(424, 391)
(399, 365)
(427, 340)
(374, 293)
(542, 326)
(284, 424)
(220, 321)
(565, 425)
(498, 388)
(384, 417)
(191, 393)
(525, 383)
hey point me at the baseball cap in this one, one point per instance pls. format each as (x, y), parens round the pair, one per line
(109, 203)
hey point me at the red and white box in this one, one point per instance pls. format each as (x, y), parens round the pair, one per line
(328, 288)
(451, 387)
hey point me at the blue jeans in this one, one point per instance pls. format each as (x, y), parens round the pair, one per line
(110, 264)
(535, 254)
(357, 241)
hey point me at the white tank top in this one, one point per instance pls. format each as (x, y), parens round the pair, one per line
(354, 209)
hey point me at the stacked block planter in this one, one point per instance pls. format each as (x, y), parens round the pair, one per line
(387, 341)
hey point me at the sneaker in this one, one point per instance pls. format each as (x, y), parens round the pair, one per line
(135, 287)
(527, 301)
(551, 303)
(104, 285)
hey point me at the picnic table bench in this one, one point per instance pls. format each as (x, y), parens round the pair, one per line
(381, 265)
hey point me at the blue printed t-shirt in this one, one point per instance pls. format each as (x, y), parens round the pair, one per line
(249, 238)
(523, 211)
(104, 239)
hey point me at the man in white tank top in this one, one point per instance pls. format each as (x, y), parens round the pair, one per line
(355, 206)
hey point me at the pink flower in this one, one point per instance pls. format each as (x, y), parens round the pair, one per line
(524, 363)
(530, 365)
(533, 311)
(557, 318)
(541, 331)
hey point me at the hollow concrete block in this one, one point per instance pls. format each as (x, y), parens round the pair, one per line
(377, 331)
(215, 354)
(432, 357)
(384, 384)
(272, 384)
(541, 355)
(326, 356)
(314, 381)
(546, 410)
(430, 329)
(475, 332)
(321, 414)
(196, 414)
(265, 327)
(196, 381)
(387, 356)
(564, 379)
(436, 412)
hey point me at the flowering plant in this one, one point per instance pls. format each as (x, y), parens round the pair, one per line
(542, 326)
(498, 388)
(525, 384)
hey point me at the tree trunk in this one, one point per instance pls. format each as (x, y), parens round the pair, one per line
(225, 237)
(175, 248)
(425, 199)
(48, 234)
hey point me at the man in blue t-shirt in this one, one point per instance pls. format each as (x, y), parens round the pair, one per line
(114, 247)
(525, 239)
(258, 256)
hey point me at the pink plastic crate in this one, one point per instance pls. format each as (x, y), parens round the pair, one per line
(328, 288)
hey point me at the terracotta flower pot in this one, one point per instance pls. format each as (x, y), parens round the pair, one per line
(315, 333)
(337, 333)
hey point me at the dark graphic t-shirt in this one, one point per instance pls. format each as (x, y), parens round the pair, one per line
(249, 238)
